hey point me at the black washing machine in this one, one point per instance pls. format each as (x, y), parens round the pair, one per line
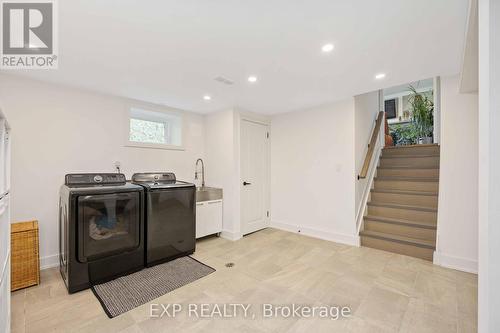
(101, 229)
(170, 216)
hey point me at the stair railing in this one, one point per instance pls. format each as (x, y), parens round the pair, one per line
(368, 169)
(371, 146)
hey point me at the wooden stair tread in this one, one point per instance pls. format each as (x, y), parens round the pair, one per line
(399, 206)
(405, 192)
(413, 146)
(407, 167)
(408, 179)
(416, 224)
(399, 239)
(403, 208)
(408, 156)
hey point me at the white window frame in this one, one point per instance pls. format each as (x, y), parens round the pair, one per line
(151, 114)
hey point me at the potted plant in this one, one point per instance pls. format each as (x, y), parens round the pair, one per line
(422, 109)
(403, 135)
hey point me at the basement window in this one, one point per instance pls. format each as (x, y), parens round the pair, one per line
(152, 129)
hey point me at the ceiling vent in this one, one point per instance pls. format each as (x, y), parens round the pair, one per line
(224, 80)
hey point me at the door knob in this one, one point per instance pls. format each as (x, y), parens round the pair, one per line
(245, 183)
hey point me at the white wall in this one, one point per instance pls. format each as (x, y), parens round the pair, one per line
(457, 245)
(312, 172)
(222, 147)
(366, 109)
(469, 79)
(489, 166)
(315, 157)
(221, 166)
(58, 130)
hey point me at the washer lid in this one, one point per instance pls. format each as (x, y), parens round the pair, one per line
(93, 189)
(165, 185)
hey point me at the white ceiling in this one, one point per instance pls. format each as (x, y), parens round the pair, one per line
(404, 88)
(169, 52)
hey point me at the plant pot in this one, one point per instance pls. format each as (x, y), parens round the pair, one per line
(426, 140)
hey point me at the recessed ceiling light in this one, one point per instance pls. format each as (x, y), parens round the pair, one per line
(327, 48)
(207, 97)
(252, 79)
(380, 76)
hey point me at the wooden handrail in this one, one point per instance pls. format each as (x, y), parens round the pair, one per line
(371, 146)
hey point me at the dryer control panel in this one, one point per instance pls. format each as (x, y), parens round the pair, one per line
(80, 179)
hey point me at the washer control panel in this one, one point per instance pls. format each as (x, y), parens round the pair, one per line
(154, 177)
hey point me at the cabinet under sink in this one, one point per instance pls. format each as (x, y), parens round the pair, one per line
(208, 211)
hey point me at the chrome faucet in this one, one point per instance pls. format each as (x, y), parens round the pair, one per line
(202, 172)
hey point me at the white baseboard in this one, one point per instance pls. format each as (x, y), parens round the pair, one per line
(49, 261)
(317, 233)
(461, 264)
(233, 236)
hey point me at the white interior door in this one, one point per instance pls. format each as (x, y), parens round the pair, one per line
(254, 176)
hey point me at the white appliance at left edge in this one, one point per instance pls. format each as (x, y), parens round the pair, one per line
(4, 225)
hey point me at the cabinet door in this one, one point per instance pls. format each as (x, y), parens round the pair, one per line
(4, 234)
(5, 300)
(214, 217)
(3, 158)
(200, 219)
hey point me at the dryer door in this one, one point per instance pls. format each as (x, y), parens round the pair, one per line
(108, 224)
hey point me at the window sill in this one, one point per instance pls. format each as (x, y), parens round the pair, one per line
(132, 144)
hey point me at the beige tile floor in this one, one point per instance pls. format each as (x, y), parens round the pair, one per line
(386, 292)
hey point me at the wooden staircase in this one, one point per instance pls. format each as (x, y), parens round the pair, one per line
(402, 210)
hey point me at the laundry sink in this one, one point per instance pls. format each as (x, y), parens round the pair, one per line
(205, 193)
